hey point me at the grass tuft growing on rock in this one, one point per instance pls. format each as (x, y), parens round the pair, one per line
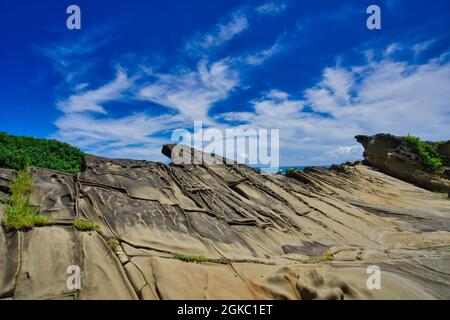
(85, 225)
(18, 215)
(426, 151)
(192, 259)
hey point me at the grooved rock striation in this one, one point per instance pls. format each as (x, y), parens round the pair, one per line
(307, 236)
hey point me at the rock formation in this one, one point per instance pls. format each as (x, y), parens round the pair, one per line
(386, 153)
(247, 235)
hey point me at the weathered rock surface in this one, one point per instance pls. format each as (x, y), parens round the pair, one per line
(444, 152)
(384, 152)
(263, 237)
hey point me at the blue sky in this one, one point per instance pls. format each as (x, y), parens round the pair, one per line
(137, 70)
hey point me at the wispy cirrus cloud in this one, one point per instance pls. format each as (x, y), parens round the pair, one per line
(423, 46)
(201, 43)
(92, 100)
(259, 57)
(272, 8)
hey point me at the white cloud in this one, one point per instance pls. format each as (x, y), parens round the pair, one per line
(193, 92)
(332, 91)
(227, 31)
(271, 8)
(222, 33)
(235, 116)
(261, 56)
(92, 100)
(391, 49)
(346, 151)
(130, 136)
(423, 46)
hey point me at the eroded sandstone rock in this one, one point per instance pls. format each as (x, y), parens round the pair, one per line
(250, 236)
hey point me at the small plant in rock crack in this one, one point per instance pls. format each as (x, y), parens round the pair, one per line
(114, 243)
(192, 259)
(18, 215)
(326, 257)
(85, 225)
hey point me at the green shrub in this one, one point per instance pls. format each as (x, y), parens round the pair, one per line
(19, 152)
(86, 225)
(426, 151)
(18, 215)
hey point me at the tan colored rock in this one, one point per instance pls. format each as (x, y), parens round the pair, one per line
(386, 153)
(250, 236)
(181, 280)
(103, 275)
(43, 267)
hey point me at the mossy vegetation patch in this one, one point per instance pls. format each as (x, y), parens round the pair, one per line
(18, 152)
(191, 259)
(85, 225)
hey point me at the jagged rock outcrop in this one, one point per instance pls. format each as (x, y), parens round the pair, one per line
(386, 153)
(259, 236)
